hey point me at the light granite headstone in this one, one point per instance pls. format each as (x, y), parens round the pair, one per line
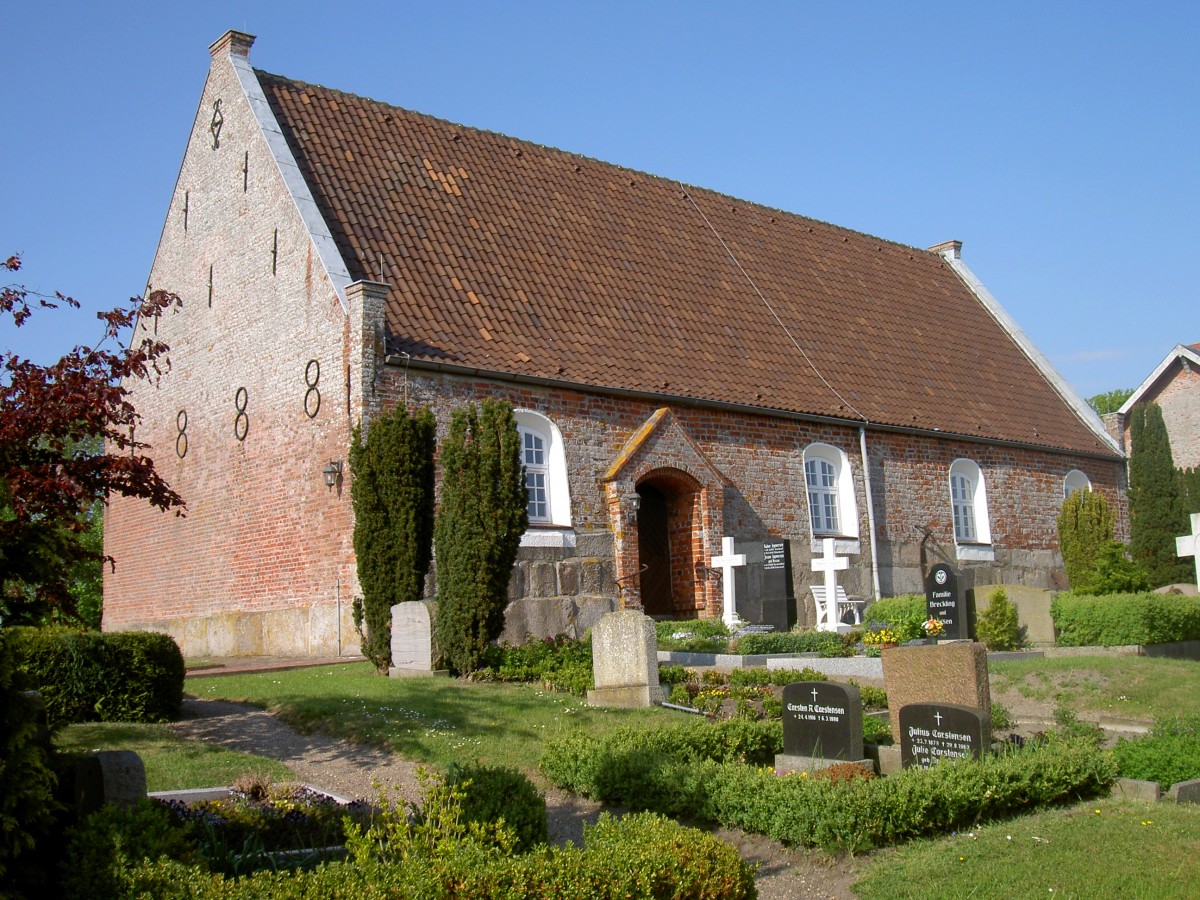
(414, 651)
(954, 673)
(625, 661)
(822, 725)
(109, 777)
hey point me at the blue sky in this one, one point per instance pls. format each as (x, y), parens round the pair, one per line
(1060, 142)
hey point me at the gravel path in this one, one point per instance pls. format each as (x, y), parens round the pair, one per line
(352, 770)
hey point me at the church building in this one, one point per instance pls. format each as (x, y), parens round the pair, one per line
(685, 367)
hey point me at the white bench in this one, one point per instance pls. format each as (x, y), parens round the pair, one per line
(844, 605)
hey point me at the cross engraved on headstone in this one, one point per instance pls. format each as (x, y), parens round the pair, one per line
(814, 693)
(727, 562)
(1189, 545)
(938, 716)
(830, 564)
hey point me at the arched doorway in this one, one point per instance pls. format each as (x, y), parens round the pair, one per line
(669, 520)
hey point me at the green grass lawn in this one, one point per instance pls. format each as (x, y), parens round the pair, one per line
(1129, 687)
(430, 720)
(172, 763)
(1107, 848)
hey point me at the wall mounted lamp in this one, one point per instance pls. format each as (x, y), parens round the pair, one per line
(332, 473)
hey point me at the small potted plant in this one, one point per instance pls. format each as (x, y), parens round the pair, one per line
(933, 628)
(879, 637)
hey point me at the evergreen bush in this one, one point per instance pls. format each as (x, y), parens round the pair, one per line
(393, 496)
(27, 804)
(1156, 514)
(826, 643)
(1085, 524)
(1189, 490)
(92, 676)
(495, 793)
(1121, 619)
(998, 628)
(1116, 573)
(478, 530)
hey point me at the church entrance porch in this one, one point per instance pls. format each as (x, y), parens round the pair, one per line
(672, 573)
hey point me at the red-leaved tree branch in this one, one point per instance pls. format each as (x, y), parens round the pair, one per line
(47, 414)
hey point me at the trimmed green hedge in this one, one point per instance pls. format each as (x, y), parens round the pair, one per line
(633, 856)
(1118, 619)
(90, 676)
(826, 643)
(679, 781)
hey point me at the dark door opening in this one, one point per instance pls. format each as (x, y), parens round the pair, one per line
(654, 551)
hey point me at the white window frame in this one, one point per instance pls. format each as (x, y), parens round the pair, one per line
(1075, 480)
(976, 500)
(554, 468)
(842, 493)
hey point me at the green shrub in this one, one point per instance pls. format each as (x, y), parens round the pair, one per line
(393, 496)
(876, 730)
(496, 793)
(779, 677)
(89, 676)
(560, 663)
(1085, 524)
(1170, 753)
(1116, 573)
(902, 615)
(478, 529)
(671, 675)
(826, 643)
(27, 804)
(1119, 619)
(693, 635)
(998, 628)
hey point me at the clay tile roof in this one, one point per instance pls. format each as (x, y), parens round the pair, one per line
(512, 257)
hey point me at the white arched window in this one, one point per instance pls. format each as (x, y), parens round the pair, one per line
(545, 469)
(1075, 481)
(831, 507)
(968, 504)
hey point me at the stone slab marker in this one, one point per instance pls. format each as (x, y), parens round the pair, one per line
(931, 732)
(954, 673)
(115, 777)
(625, 661)
(414, 651)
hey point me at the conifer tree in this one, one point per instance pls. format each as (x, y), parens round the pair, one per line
(479, 526)
(393, 498)
(1156, 515)
(1189, 490)
(1085, 524)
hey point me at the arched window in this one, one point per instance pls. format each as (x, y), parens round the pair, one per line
(968, 504)
(1075, 481)
(545, 469)
(831, 506)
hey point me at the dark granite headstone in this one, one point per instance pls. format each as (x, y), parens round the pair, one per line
(946, 601)
(765, 595)
(822, 719)
(930, 732)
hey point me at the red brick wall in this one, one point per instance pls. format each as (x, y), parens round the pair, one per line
(1178, 395)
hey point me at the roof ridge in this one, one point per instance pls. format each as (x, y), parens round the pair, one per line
(617, 167)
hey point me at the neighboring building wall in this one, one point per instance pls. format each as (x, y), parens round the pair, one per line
(264, 554)
(1178, 395)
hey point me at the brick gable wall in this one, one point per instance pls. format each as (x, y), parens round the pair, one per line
(1178, 395)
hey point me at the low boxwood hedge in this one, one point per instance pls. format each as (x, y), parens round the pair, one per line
(90, 676)
(679, 780)
(1119, 619)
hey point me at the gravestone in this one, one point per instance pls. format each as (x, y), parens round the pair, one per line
(625, 661)
(822, 725)
(414, 651)
(1189, 545)
(765, 594)
(946, 601)
(109, 777)
(931, 732)
(954, 674)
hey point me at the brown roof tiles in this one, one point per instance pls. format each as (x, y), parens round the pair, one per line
(508, 255)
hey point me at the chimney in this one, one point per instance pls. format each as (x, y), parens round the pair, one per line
(948, 249)
(232, 43)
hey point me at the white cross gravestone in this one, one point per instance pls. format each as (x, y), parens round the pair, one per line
(727, 562)
(829, 563)
(1189, 545)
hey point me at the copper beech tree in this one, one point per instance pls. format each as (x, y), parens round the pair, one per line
(49, 417)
